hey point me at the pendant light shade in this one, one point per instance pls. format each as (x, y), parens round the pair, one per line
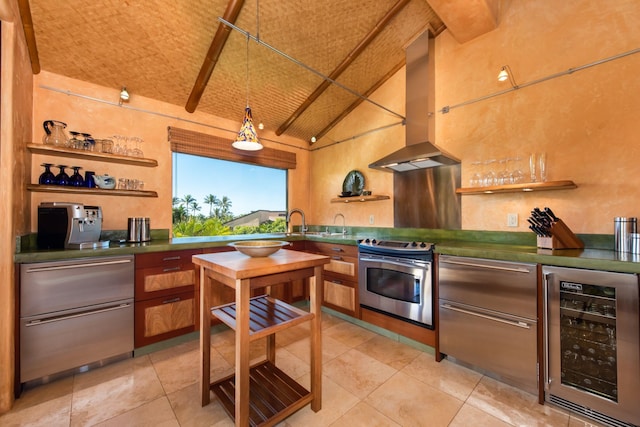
(247, 138)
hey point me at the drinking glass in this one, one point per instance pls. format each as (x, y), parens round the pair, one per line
(47, 177)
(542, 166)
(532, 166)
(476, 179)
(62, 178)
(489, 176)
(76, 180)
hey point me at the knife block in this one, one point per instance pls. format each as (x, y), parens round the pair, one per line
(561, 238)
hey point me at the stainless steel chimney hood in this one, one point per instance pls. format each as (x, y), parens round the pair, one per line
(418, 153)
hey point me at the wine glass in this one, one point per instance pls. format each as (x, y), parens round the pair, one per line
(62, 178)
(47, 177)
(76, 180)
(532, 166)
(542, 166)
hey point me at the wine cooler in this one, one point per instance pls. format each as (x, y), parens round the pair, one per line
(592, 364)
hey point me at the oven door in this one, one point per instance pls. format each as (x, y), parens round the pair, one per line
(399, 287)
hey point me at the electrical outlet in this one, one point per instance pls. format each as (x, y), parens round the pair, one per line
(371, 219)
(512, 220)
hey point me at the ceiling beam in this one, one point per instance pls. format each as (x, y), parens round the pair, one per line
(29, 34)
(377, 29)
(210, 61)
(359, 101)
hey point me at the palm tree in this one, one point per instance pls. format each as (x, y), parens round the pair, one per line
(225, 206)
(211, 200)
(179, 214)
(175, 201)
(194, 207)
(187, 200)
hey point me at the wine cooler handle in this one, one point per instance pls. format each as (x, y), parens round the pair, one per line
(545, 329)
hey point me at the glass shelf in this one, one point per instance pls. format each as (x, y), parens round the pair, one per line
(516, 188)
(88, 191)
(53, 150)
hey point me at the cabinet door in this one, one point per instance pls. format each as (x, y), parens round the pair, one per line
(161, 318)
(339, 296)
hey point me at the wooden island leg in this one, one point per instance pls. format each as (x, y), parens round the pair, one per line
(315, 292)
(205, 337)
(243, 292)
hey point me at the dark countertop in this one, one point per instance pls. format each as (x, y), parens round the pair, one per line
(491, 245)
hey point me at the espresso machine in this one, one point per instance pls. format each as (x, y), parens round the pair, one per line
(69, 226)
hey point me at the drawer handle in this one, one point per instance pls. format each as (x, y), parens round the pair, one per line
(169, 301)
(172, 258)
(337, 282)
(490, 267)
(484, 316)
(337, 257)
(336, 249)
(165, 270)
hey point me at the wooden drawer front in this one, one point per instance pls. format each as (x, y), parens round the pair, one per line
(340, 295)
(166, 259)
(332, 249)
(161, 318)
(341, 265)
(170, 280)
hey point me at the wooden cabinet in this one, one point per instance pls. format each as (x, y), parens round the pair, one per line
(340, 287)
(165, 297)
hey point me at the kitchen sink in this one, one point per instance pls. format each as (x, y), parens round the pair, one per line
(316, 233)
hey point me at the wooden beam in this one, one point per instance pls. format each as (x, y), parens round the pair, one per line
(359, 101)
(29, 34)
(210, 61)
(377, 29)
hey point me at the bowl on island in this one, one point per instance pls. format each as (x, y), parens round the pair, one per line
(259, 248)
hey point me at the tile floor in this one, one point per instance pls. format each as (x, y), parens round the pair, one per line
(369, 379)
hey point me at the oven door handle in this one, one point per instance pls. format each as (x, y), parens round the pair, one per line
(424, 265)
(486, 316)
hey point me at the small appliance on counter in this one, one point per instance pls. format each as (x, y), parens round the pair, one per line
(70, 226)
(138, 230)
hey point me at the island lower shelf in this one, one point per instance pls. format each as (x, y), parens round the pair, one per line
(273, 395)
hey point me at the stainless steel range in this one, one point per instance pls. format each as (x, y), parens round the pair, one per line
(395, 278)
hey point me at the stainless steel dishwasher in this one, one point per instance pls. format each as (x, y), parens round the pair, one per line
(74, 313)
(488, 317)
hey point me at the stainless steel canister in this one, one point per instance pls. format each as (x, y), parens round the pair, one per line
(139, 229)
(634, 243)
(622, 229)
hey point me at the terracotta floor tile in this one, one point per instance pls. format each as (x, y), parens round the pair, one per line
(357, 372)
(157, 413)
(388, 351)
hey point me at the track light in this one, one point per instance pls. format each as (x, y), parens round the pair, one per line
(505, 73)
(124, 95)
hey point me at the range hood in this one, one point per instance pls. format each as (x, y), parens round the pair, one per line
(418, 153)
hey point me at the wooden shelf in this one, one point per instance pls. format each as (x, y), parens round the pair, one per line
(53, 150)
(273, 395)
(516, 188)
(88, 191)
(359, 199)
(266, 316)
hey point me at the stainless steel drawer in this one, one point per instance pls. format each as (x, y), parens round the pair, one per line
(500, 345)
(73, 338)
(501, 286)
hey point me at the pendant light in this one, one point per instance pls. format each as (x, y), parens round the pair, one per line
(247, 139)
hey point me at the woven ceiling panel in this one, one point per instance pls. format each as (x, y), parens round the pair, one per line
(156, 48)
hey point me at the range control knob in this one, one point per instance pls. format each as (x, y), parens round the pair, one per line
(367, 240)
(423, 245)
(414, 244)
(374, 241)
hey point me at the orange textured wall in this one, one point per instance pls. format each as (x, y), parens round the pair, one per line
(96, 112)
(586, 122)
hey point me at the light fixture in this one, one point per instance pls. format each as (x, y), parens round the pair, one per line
(247, 139)
(506, 73)
(124, 95)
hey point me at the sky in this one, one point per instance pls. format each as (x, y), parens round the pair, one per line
(249, 187)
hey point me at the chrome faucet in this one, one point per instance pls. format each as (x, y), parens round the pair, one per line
(303, 229)
(344, 230)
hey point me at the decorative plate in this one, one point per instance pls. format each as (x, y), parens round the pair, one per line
(353, 182)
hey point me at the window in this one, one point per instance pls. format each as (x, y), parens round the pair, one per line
(218, 190)
(213, 197)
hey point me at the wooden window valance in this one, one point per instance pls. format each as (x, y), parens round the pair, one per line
(201, 144)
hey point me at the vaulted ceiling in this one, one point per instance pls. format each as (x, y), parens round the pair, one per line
(181, 53)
